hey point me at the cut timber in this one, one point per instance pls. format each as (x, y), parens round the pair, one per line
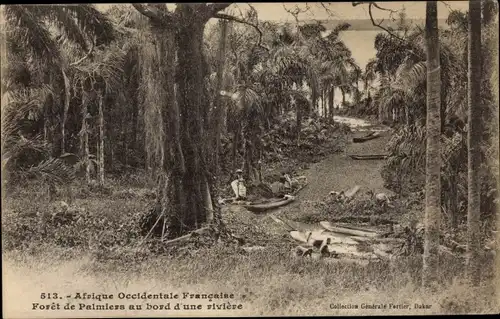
(378, 240)
(372, 220)
(350, 193)
(381, 253)
(333, 238)
(332, 228)
(266, 206)
(342, 249)
(299, 236)
(369, 157)
(359, 228)
(370, 136)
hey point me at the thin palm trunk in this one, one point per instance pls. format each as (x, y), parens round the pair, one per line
(101, 143)
(474, 141)
(433, 156)
(331, 101)
(67, 97)
(323, 102)
(85, 138)
(299, 119)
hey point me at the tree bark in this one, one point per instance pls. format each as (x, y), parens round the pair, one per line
(85, 139)
(474, 142)
(101, 142)
(192, 103)
(299, 111)
(331, 100)
(67, 97)
(433, 156)
(218, 103)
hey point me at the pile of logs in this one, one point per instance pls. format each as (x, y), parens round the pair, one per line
(346, 241)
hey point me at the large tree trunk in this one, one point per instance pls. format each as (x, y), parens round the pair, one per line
(433, 156)
(474, 141)
(192, 103)
(173, 160)
(218, 103)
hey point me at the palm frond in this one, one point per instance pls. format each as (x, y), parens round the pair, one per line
(336, 31)
(64, 21)
(93, 22)
(25, 30)
(25, 104)
(409, 75)
(53, 170)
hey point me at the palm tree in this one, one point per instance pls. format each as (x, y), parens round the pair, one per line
(474, 133)
(38, 38)
(335, 61)
(433, 156)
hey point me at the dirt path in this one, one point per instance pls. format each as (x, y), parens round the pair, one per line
(334, 173)
(339, 172)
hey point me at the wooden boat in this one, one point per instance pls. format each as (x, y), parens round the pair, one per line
(370, 136)
(261, 207)
(369, 157)
(341, 230)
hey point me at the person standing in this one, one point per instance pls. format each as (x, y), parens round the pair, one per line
(238, 186)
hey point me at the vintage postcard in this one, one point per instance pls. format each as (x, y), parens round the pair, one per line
(250, 159)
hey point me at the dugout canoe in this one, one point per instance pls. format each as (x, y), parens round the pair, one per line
(369, 157)
(262, 207)
(370, 136)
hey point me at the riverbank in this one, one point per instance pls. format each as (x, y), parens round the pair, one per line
(267, 281)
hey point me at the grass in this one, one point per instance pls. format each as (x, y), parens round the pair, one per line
(268, 282)
(104, 256)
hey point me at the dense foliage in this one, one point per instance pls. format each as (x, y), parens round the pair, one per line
(401, 98)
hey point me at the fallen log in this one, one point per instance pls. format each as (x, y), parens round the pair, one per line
(350, 193)
(381, 253)
(334, 238)
(378, 240)
(299, 236)
(374, 220)
(369, 157)
(332, 228)
(359, 228)
(370, 136)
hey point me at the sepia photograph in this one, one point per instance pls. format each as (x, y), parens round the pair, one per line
(250, 159)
